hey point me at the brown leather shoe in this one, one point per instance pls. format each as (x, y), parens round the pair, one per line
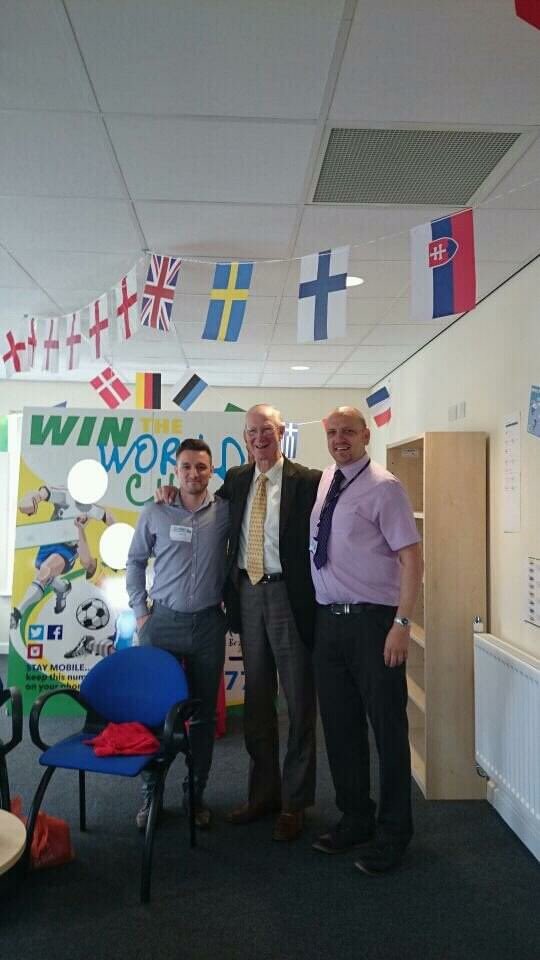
(247, 814)
(288, 826)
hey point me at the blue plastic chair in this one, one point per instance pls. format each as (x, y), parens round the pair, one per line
(143, 684)
(6, 695)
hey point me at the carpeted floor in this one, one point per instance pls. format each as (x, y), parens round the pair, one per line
(468, 889)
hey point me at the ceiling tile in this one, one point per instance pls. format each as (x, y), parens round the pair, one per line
(285, 333)
(376, 368)
(381, 279)
(204, 350)
(354, 381)
(11, 274)
(386, 354)
(217, 230)
(259, 333)
(75, 271)
(43, 223)
(54, 154)
(373, 233)
(14, 304)
(40, 67)
(413, 334)
(319, 353)
(237, 58)
(211, 160)
(487, 72)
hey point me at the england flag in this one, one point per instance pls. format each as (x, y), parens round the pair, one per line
(322, 295)
(16, 357)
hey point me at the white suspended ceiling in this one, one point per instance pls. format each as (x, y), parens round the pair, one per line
(199, 128)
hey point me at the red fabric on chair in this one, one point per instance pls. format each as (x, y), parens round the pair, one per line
(124, 739)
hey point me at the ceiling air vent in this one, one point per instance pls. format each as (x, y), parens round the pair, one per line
(408, 166)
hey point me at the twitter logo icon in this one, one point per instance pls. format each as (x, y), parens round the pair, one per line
(36, 631)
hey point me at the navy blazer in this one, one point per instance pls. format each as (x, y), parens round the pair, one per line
(298, 493)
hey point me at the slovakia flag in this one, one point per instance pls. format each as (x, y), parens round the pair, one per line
(443, 275)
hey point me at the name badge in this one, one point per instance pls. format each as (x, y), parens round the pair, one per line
(184, 534)
(312, 545)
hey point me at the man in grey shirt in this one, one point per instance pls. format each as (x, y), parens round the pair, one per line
(188, 542)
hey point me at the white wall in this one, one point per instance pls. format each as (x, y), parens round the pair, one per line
(489, 359)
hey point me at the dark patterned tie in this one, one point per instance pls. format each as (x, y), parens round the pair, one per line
(325, 520)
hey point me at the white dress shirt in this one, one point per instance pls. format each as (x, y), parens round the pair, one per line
(272, 563)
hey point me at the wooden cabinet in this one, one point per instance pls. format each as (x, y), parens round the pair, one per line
(445, 477)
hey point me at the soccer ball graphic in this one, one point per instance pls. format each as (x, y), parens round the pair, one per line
(93, 614)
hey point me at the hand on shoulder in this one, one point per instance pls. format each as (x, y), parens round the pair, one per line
(165, 494)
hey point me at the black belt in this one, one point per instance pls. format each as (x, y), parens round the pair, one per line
(267, 578)
(339, 609)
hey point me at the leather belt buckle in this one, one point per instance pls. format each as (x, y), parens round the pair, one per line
(338, 609)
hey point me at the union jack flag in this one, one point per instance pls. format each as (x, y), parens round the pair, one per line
(158, 293)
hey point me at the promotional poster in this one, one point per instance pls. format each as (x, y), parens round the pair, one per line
(69, 607)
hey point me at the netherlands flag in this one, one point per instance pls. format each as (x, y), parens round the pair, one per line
(443, 275)
(379, 406)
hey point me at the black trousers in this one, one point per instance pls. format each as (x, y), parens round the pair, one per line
(353, 683)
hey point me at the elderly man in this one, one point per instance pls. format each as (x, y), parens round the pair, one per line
(366, 567)
(270, 602)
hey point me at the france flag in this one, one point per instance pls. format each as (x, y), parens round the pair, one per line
(443, 273)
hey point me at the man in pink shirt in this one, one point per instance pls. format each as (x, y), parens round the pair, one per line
(366, 566)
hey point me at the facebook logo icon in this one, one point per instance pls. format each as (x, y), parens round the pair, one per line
(55, 631)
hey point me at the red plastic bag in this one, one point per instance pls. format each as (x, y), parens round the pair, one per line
(51, 843)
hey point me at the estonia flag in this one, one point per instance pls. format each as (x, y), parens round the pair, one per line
(186, 391)
(443, 275)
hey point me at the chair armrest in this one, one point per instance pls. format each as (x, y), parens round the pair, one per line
(179, 712)
(13, 694)
(38, 705)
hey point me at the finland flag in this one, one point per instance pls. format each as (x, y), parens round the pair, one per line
(322, 296)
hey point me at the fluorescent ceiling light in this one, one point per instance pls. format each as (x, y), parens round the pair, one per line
(354, 281)
(300, 367)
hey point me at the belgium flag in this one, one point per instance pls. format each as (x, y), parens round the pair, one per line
(148, 391)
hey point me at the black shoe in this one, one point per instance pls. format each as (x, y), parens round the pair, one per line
(380, 857)
(345, 836)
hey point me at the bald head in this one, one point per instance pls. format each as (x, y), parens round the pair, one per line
(347, 434)
(353, 412)
(263, 432)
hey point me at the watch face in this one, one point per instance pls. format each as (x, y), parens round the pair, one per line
(404, 621)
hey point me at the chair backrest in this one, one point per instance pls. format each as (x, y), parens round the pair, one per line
(140, 683)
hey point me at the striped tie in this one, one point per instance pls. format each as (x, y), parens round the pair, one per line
(255, 547)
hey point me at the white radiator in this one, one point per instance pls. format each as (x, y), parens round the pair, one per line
(507, 712)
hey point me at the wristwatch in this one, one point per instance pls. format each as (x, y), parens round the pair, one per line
(403, 621)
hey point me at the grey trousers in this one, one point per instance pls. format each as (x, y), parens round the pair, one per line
(198, 641)
(271, 646)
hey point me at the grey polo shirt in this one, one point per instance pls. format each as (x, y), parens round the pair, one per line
(189, 556)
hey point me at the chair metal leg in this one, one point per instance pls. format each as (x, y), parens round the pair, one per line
(5, 801)
(82, 800)
(155, 806)
(34, 810)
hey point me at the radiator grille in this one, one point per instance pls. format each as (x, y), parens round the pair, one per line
(507, 708)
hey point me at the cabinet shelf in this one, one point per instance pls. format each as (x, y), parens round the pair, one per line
(416, 693)
(444, 474)
(418, 634)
